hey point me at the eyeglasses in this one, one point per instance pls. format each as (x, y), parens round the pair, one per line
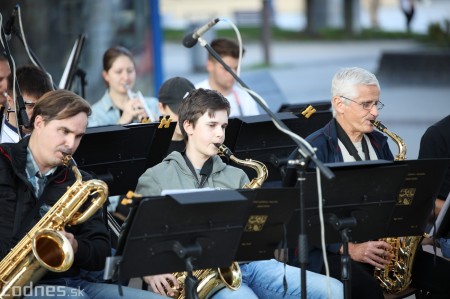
(367, 105)
(29, 105)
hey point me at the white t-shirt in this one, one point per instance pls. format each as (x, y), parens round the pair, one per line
(241, 103)
(8, 133)
(349, 158)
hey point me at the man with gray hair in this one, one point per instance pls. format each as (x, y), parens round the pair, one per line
(350, 136)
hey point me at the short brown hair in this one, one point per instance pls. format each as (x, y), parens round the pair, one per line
(59, 104)
(112, 54)
(196, 103)
(225, 47)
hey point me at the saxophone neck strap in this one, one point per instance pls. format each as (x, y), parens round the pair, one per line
(205, 172)
(343, 137)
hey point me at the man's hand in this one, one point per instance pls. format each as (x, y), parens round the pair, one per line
(160, 283)
(375, 253)
(72, 240)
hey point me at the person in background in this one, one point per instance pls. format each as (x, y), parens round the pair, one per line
(408, 9)
(170, 96)
(349, 137)
(203, 118)
(33, 83)
(119, 104)
(33, 178)
(242, 104)
(373, 13)
(435, 143)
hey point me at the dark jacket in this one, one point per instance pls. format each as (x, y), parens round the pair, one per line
(92, 235)
(435, 143)
(328, 151)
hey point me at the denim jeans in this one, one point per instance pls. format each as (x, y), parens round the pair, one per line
(445, 247)
(76, 288)
(264, 279)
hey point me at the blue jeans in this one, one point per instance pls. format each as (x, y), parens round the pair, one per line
(264, 279)
(445, 247)
(81, 289)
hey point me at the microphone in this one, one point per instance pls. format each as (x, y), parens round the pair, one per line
(10, 23)
(191, 39)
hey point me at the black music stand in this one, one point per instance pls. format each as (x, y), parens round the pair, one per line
(256, 137)
(417, 195)
(265, 229)
(357, 206)
(119, 155)
(199, 230)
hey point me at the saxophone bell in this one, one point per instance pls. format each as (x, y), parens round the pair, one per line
(45, 247)
(52, 250)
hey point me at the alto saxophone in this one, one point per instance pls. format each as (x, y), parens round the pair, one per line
(44, 247)
(396, 276)
(213, 280)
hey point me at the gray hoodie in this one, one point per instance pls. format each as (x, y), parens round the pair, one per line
(173, 173)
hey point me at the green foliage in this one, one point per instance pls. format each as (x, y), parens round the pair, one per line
(436, 34)
(439, 33)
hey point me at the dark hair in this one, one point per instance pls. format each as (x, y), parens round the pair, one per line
(32, 81)
(225, 47)
(59, 104)
(111, 55)
(196, 103)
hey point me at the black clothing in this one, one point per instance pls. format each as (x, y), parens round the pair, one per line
(92, 235)
(435, 143)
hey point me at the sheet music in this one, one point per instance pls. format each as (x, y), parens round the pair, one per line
(65, 75)
(179, 191)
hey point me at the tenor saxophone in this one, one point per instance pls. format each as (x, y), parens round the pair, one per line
(213, 280)
(396, 276)
(44, 247)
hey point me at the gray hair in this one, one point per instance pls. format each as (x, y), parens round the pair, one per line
(346, 80)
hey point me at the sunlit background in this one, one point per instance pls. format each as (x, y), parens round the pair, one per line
(293, 47)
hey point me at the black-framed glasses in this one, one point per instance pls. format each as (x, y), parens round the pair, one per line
(367, 105)
(29, 104)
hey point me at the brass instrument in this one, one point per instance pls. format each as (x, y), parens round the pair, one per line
(213, 280)
(260, 168)
(396, 276)
(44, 247)
(139, 96)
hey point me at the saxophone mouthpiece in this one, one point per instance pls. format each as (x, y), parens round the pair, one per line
(67, 160)
(217, 145)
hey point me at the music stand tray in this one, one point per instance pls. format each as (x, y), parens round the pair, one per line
(164, 231)
(271, 210)
(417, 195)
(365, 191)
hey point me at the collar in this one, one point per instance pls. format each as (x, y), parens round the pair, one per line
(33, 169)
(106, 102)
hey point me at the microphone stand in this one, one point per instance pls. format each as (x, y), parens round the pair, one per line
(39, 64)
(21, 113)
(304, 152)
